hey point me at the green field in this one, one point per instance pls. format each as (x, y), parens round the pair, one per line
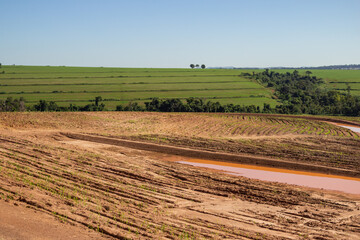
(340, 79)
(80, 85)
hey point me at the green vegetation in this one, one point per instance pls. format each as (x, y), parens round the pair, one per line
(334, 79)
(80, 85)
(341, 79)
(329, 92)
(305, 94)
(12, 105)
(299, 94)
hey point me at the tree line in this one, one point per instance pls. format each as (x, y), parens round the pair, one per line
(155, 105)
(189, 105)
(18, 105)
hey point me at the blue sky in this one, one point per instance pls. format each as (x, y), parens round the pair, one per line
(175, 33)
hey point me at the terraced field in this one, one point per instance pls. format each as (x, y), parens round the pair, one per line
(119, 86)
(341, 79)
(79, 85)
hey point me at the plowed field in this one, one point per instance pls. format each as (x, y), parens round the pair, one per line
(75, 170)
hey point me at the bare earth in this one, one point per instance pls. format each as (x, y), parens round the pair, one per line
(56, 186)
(20, 221)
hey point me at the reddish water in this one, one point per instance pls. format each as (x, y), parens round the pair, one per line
(315, 180)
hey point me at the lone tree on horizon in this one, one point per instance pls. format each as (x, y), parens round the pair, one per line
(197, 66)
(98, 100)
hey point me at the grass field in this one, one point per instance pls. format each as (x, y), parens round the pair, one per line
(80, 85)
(340, 79)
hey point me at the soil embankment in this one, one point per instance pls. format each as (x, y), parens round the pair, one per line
(193, 153)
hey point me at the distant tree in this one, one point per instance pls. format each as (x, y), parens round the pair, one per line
(119, 108)
(133, 106)
(195, 104)
(203, 66)
(12, 105)
(267, 108)
(52, 107)
(172, 105)
(98, 100)
(73, 108)
(197, 65)
(270, 84)
(21, 105)
(296, 73)
(42, 106)
(192, 65)
(97, 106)
(348, 89)
(154, 105)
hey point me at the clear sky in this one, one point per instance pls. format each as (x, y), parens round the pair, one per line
(175, 33)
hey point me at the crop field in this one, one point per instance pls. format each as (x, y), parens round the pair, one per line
(111, 191)
(80, 85)
(341, 79)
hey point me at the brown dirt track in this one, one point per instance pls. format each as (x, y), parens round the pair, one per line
(121, 192)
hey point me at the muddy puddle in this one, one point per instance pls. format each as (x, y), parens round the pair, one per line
(308, 179)
(354, 129)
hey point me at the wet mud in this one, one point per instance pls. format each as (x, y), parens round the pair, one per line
(314, 180)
